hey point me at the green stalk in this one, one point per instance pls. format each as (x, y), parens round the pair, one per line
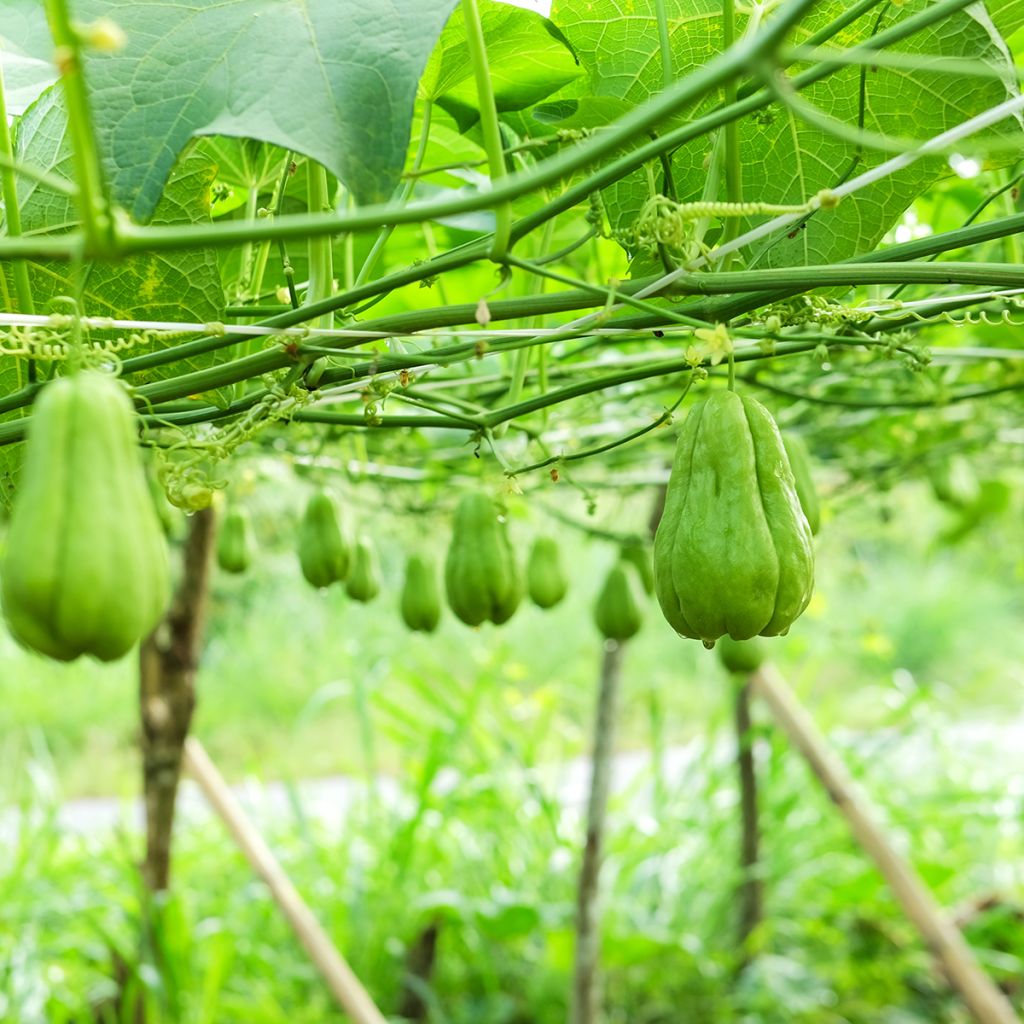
(665, 43)
(321, 258)
(12, 210)
(97, 226)
(493, 145)
(733, 169)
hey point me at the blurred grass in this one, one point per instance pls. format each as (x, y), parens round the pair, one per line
(489, 857)
(289, 673)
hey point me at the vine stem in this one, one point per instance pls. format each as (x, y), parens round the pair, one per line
(97, 225)
(937, 143)
(493, 144)
(321, 257)
(665, 43)
(733, 169)
(12, 216)
(12, 209)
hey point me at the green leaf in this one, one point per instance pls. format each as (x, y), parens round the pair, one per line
(529, 60)
(332, 79)
(785, 160)
(1007, 15)
(170, 287)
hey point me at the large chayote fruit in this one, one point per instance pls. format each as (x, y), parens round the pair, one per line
(733, 551)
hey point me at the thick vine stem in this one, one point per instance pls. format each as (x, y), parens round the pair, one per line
(489, 127)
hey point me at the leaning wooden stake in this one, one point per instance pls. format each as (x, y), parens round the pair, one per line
(346, 987)
(984, 1000)
(586, 1001)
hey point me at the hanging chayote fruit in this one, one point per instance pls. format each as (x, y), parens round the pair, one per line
(363, 580)
(421, 597)
(618, 611)
(236, 544)
(740, 657)
(86, 568)
(546, 582)
(481, 574)
(323, 548)
(733, 551)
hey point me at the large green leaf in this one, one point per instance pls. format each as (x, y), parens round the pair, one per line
(786, 160)
(333, 79)
(527, 59)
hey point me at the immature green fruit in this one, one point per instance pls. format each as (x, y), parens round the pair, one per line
(733, 551)
(740, 657)
(618, 612)
(954, 482)
(421, 598)
(363, 580)
(546, 582)
(481, 575)
(800, 463)
(85, 570)
(236, 544)
(323, 549)
(639, 556)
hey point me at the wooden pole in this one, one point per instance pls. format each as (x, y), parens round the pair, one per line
(168, 660)
(344, 985)
(985, 1001)
(751, 887)
(586, 1000)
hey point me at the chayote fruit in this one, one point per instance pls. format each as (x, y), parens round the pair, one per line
(481, 575)
(86, 567)
(733, 551)
(618, 611)
(323, 548)
(421, 599)
(546, 582)
(363, 580)
(236, 545)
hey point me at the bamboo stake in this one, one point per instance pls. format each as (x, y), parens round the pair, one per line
(344, 985)
(585, 1007)
(985, 1001)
